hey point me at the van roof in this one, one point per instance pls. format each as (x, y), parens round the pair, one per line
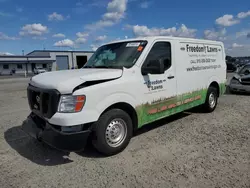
(152, 38)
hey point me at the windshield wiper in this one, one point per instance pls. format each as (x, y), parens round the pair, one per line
(108, 67)
(103, 66)
(89, 66)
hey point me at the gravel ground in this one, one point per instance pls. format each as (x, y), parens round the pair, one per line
(188, 150)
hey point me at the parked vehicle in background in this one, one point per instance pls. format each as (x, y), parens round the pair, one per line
(124, 86)
(241, 80)
(39, 70)
(231, 67)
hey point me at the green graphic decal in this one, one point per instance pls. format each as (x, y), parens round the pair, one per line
(155, 110)
(222, 88)
(162, 108)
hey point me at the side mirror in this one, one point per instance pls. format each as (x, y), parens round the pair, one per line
(153, 67)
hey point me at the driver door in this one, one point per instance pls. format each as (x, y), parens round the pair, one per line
(159, 90)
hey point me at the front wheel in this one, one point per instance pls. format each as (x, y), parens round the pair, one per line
(112, 132)
(211, 99)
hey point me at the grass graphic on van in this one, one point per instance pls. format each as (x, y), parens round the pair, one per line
(150, 112)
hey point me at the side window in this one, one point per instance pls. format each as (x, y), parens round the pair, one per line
(161, 51)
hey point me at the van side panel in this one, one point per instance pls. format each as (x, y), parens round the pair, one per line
(198, 65)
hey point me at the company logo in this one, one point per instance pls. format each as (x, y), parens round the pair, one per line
(154, 85)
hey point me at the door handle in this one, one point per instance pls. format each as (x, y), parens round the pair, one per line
(170, 77)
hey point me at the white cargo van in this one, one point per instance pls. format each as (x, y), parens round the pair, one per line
(125, 85)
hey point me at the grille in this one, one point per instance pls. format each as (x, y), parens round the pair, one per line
(43, 102)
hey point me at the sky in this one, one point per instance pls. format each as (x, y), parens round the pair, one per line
(86, 24)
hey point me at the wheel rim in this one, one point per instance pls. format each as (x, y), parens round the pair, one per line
(212, 100)
(116, 132)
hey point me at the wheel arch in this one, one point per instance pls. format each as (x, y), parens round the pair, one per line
(214, 81)
(126, 107)
(215, 85)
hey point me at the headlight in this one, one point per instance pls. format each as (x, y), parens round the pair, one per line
(71, 103)
(235, 81)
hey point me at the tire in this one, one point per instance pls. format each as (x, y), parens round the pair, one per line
(211, 100)
(102, 137)
(231, 91)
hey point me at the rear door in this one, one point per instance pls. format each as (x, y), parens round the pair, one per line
(158, 90)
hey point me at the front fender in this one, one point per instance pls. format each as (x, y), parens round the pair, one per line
(115, 98)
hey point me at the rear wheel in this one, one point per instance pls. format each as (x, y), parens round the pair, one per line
(112, 132)
(211, 99)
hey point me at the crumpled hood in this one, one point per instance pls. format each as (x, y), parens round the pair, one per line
(66, 80)
(237, 76)
(240, 77)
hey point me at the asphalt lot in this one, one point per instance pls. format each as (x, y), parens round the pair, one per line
(191, 149)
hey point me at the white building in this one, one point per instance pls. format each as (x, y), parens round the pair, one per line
(50, 60)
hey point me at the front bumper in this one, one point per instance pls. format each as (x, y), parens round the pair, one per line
(239, 88)
(43, 131)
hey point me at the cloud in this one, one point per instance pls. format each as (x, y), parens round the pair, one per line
(79, 4)
(243, 33)
(55, 17)
(238, 50)
(35, 29)
(226, 20)
(6, 37)
(117, 6)
(248, 35)
(81, 40)
(64, 43)
(115, 12)
(235, 45)
(101, 38)
(4, 14)
(144, 4)
(59, 35)
(81, 37)
(112, 16)
(6, 53)
(81, 7)
(183, 31)
(39, 38)
(94, 47)
(98, 3)
(242, 15)
(19, 9)
(215, 35)
(82, 34)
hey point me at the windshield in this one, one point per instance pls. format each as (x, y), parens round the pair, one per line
(244, 70)
(116, 55)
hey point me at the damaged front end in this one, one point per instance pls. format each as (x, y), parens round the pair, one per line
(240, 83)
